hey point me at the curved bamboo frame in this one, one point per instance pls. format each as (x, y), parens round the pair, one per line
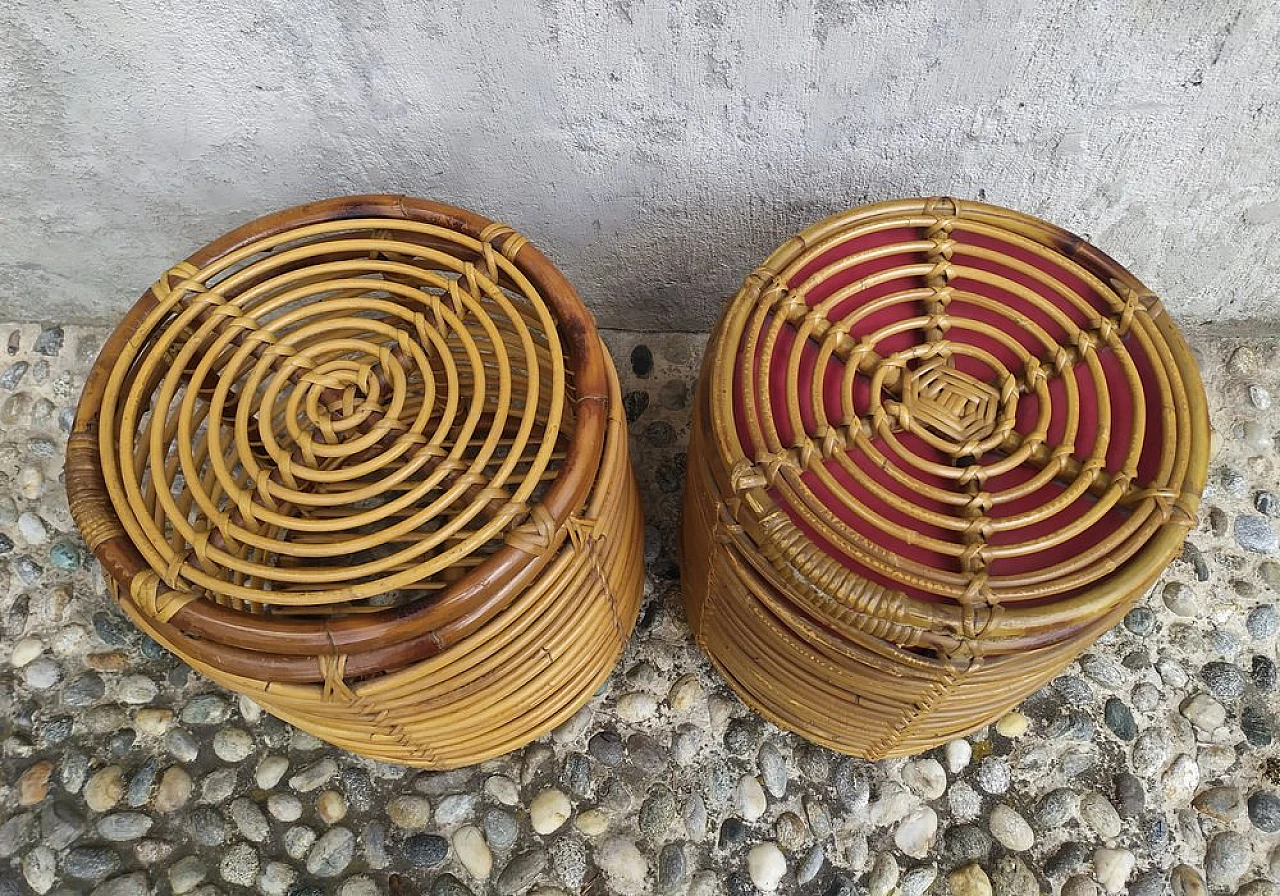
(861, 647)
(352, 458)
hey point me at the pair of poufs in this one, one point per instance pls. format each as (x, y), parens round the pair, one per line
(365, 461)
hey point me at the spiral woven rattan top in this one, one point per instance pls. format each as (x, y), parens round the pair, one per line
(372, 409)
(964, 416)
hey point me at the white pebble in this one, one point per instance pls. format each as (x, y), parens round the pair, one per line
(1098, 813)
(1014, 724)
(1180, 780)
(926, 777)
(636, 706)
(331, 806)
(1010, 829)
(25, 651)
(284, 806)
(104, 788)
(592, 822)
(39, 867)
(502, 789)
(916, 833)
(32, 528)
(30, 483)
(232, 744)
(549, 811)
(359, 886)
(1113, 867)
(766, 864)
(751, 799)
(249, 711)
(685, 694)
(270, 770)
(473, 851)
(958, 754)
(623, 864)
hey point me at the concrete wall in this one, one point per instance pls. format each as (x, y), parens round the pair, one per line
(656, 150)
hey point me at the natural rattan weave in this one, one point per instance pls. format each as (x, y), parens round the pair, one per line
(938, 448)
(365, 461)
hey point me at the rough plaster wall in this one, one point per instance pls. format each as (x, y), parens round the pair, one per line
(656, 150)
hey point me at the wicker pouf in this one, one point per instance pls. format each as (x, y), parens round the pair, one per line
(365, 461)
(939, 447)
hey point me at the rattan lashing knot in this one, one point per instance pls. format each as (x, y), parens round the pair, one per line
(155, 598)
(333, 668)
(177, 282)
(746, 476)
(537, 534)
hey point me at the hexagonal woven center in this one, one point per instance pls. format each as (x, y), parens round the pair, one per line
(951, 403)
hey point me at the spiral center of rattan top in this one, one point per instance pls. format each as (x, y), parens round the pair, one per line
(342, 416)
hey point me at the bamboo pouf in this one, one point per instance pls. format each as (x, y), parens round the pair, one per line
(365, 461)
(939, 447)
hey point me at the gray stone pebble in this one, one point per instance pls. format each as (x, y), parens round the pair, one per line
(206, 709)
(1257, 725)
(993, 775)
(569, 862)
(446, 885)
(239, 865)
(672, 865)
(1264, 811)
(91, 863)
(964, 802)
(123, 826)
(966, 843)
(374, 841)
(607, 747)
(1066, 859)
(425, 850)
(1255, 534)
(657, 812)
(133, 884)
(1224, 680)
(207, 827)
(1119, 719)
(332, 853)
(249, 820)
(181, 745)
(1262, 622)
(500, 828)
(1228, 857)
(522, 871)
(314, 776)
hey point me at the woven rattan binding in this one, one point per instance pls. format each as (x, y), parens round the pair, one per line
(365, 461)
(910, 499)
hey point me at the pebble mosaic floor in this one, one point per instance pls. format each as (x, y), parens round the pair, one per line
(1149, 767)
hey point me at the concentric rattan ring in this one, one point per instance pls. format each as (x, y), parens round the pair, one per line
(932, 438)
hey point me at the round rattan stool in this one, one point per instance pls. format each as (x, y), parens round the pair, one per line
(938, 448)
(365, 461)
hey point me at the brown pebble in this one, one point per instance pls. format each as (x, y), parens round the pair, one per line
(111, 661)
(33, 786)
